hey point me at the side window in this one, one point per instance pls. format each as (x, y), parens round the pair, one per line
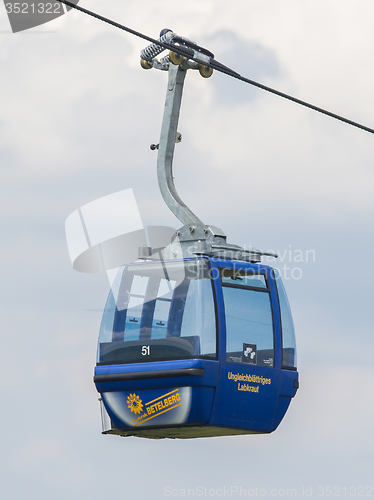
(288, 330)
(249, 325)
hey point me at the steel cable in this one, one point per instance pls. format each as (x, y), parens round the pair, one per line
(189, 53)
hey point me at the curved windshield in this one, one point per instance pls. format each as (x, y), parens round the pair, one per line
(159, 311)
(288, 330)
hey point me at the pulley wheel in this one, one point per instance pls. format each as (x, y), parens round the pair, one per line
(205, 71)
(175, 58)
(145, 64)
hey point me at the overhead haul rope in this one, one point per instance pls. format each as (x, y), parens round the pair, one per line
(191, 54)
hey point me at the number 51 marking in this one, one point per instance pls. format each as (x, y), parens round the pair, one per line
(146, 350)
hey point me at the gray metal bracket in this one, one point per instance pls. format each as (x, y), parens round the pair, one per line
(166, 148)
(194, 237)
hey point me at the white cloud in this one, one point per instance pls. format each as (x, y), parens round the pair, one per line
(77, 116)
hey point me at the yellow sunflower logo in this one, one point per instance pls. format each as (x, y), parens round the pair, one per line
(135, 403)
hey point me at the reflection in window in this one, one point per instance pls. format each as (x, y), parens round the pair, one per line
(249, 326)
(162, 309)
(199, 315)
(288, 330)
(168, 307)
(242, 277)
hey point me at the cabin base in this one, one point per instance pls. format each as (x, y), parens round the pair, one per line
(188, 432)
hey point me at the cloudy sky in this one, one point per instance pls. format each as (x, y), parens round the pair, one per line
(77, 116)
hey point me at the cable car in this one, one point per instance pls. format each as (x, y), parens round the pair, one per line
(197, 338)
(194, 348)
(201, 341)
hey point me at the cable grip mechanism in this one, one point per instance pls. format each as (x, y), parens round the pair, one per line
(188, 54)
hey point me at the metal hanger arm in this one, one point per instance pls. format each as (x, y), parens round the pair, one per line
(166, 147)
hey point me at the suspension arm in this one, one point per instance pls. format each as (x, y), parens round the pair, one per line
(166, 147)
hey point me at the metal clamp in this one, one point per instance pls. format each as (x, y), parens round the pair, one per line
(187, 54)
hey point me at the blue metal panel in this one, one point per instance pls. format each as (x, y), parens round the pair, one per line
(210, 378)
(282, 406)
(288, 383)
(247, 395)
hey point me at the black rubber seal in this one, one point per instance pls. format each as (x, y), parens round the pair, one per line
(119, 377)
